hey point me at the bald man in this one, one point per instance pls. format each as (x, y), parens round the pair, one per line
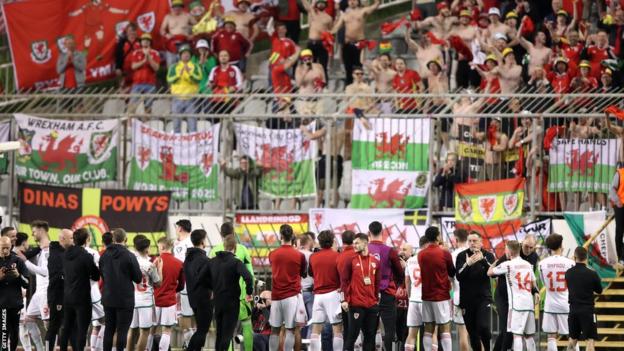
(11, 233)
(528, 250)
(55, 288)
(12, 280)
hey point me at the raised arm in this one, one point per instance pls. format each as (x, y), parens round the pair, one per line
(339, 23)
(370, 9)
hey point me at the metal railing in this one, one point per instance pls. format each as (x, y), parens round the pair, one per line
(460, 125)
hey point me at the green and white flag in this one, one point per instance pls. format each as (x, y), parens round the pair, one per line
(184, 163)
(582, 165)
(602, 254)
(5, 132)
(286, 157)
(66, 152)
(390, 163)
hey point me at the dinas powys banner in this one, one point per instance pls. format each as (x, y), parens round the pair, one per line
(187, 164)
(98, 210)
(66, 152)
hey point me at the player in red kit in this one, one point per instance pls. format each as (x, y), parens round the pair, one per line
(436, 271)
(288, 266)
(360, 282)
(172, 282)
(326, 307)
(346, 256)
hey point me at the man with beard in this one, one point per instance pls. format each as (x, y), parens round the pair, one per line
(320, 22)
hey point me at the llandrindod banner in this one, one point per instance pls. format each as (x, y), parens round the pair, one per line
(390, 163)
(399, 225)
(493, 209)
(260, 232)
(286, 157)
(64, 152)
(602, 254)
(582, 165)
(99, 210)
(187, 164)
(37, 30)
(5, 133)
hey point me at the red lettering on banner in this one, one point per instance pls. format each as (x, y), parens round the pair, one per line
(135, 203)
(50, 199)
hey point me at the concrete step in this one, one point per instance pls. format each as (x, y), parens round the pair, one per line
(609, 304)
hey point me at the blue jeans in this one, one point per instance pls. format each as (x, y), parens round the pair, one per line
(308, 301)
(142, 89)
(181, 107)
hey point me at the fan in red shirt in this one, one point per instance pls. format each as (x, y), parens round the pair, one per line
(360, 281)
(437, 268)
(279, 66)
(225, 79)
(599, 52)
(233, 42)
(288, 266)
(170, 269)
(572, 49)
(560, 78)
(280, 43)
(324, 269)
(145, 64)
(406, 81)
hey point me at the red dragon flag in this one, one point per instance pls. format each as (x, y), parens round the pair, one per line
(493, 209)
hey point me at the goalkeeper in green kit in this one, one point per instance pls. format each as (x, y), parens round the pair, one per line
(244, 315)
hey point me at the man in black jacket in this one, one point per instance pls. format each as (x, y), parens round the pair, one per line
(119, 269)
(12, 281)
(582, 284)
(197, 273)
(225, 272)
(475, 299)
(79, 270)
(55, 287)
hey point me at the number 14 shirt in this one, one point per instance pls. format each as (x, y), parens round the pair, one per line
(520, 281)
(552, 271)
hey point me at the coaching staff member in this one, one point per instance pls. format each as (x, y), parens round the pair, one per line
(119, 269)
(476, 297)
(198, 287)
(55, 286)
(582, 284)
(12, 280)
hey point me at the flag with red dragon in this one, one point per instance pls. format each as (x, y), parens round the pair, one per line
(390, 163)
(285, 156)
(493, 209)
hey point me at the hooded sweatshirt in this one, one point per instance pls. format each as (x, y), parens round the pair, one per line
(197, 274)
(226, 270)
(55, 274)
(119, 268)
(79, 270)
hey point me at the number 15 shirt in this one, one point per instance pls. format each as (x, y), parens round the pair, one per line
(552, 271)
(520, 281)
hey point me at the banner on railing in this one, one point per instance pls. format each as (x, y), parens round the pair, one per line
(602, 254)
(390, 163)
(260, 232)
(285, 156)
(37, 32)
(5, 134)
(66, 152)
(98, 210)
(494, 209)
(578, 165)
(399, 225)
(186, 164)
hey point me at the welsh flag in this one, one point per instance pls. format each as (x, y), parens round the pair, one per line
(602, 252)
(184, 163)
(494, 209)
(578, 165)
(285, 156)
(390, 163)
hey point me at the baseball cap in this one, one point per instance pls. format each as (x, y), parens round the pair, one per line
(585, 64)
(202, 43)
(228, 20)
(177, 3)
(502, 36)
(491, 57)
(146, 36)
(494, 11)
(507, 51)
(511, 14)
(184, 47)
(306, 53)
(561, 59)
(465, 13)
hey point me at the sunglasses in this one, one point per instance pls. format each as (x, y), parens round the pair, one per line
(358, 73)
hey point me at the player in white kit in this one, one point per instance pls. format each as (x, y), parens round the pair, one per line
(556, 307)
(97, 310)
(38, 307)
(461, 238)
(185, 312)
(143, 317)
(520, 282)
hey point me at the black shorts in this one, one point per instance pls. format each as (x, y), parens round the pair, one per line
(320, 170)
(582, 325)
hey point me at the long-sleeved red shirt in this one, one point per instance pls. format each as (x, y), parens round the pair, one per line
(288, 266)
(234, 43)
(324, 269)
(172, 281)
(345, 257)
(436, 267)
(355, 291)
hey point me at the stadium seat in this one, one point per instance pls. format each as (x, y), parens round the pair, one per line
(114, 107)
